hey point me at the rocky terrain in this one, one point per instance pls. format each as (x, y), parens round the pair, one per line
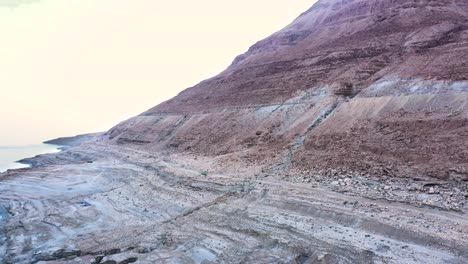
(342, 138)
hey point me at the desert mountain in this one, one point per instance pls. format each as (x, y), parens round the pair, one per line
(342, 138)
(368, 86)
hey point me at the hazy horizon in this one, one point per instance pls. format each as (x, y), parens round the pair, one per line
(72, 67)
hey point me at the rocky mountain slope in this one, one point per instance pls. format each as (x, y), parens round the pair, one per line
(368, 86)
(342, 138)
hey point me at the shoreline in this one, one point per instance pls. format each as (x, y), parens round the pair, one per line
(29, 161)
(59, 145)
(17, 157)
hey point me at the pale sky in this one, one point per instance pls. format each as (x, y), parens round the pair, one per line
(75, 66)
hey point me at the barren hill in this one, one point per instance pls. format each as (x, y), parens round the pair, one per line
(364, 86)
(342, 138)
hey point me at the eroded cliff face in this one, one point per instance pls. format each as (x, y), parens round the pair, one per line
(368, 86)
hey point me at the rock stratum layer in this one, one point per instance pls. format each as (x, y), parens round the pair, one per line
(342, 138)
(361, 85)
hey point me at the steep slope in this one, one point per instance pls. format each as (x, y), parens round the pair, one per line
(362, 86)
(285, 157)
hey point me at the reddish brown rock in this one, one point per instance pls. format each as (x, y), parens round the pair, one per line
(368, 86)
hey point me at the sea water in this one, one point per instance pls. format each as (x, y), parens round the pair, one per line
(9, 155)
